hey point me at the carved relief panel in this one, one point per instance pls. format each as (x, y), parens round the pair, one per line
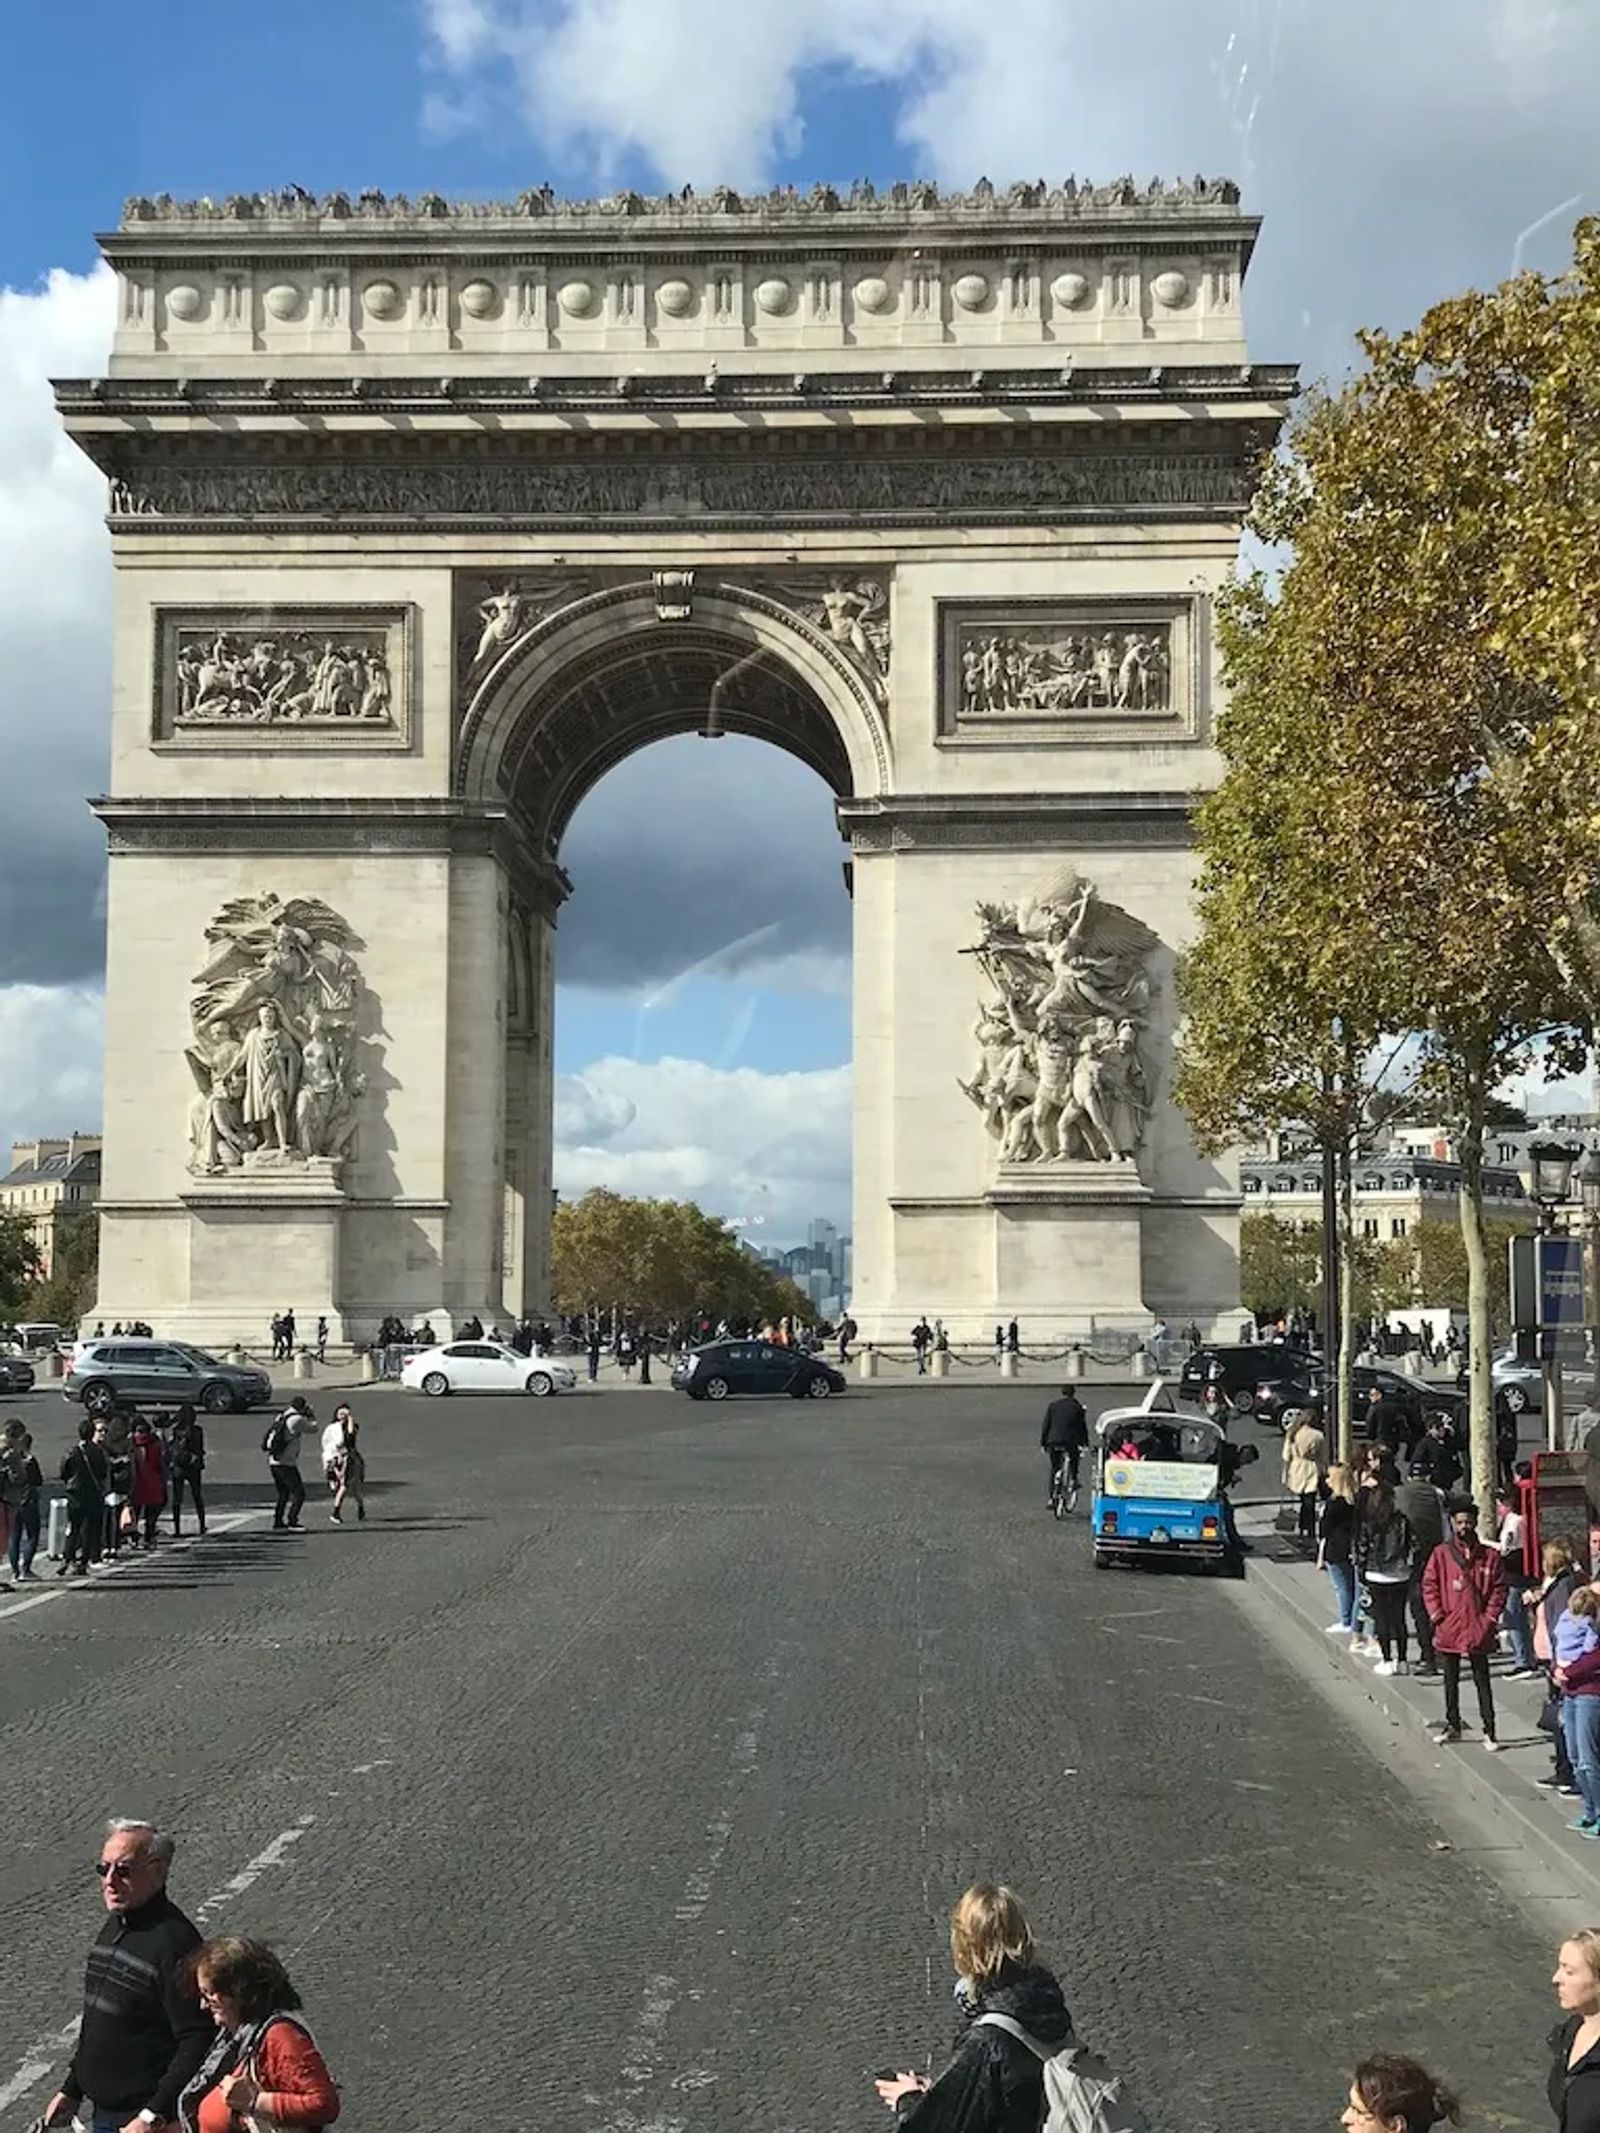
(321, 678)
(1019, 672)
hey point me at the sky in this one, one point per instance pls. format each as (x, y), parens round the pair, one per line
(1398, 150)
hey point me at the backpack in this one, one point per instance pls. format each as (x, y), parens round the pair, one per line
(276, 1442)
(1081, 2094)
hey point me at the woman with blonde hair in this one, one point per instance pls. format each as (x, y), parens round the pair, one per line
(1305, 1461)
(994, 2083)
(1574, 2084)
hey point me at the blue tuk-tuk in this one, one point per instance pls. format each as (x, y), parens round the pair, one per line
(1158, 1486)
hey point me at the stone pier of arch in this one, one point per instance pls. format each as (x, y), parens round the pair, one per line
(424, 518)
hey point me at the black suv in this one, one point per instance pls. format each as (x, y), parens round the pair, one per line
(123, 1373)
(1417, 1401)
(1242, 1371)
(713, 1371)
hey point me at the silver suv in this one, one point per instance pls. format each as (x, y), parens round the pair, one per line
(138, 1373)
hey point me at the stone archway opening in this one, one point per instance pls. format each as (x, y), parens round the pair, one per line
(626, 694)
(608, 700)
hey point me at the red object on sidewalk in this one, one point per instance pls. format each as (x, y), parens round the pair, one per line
(1555, 1506)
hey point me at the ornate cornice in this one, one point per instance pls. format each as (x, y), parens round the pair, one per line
(399, 827)
(912, 203)
(1059, 386)
(912, 822)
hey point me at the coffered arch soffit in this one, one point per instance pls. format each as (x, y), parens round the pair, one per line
(605, 675)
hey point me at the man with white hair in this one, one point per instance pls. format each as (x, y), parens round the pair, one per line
(144, 2032)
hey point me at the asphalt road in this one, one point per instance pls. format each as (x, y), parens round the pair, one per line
(618, 1774)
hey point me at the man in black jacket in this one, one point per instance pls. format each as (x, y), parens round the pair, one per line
(144, 2031)
(1064, 1436)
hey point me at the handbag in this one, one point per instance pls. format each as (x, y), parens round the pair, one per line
(1549, 1720)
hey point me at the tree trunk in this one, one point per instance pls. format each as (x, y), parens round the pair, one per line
(1347, 1309)
(1480, 1397)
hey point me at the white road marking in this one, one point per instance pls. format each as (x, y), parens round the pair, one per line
(67, 1588)
(640, 2067)
(46, 2055)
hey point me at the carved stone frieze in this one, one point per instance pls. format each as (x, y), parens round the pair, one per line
(253, 677)
(523, 489)
(273, 1043)
(1060, 1075)
(1040, 670)
(1014, 673)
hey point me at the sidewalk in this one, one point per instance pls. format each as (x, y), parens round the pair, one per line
(1488, 1804)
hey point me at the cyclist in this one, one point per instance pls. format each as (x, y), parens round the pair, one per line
(1064, 1436)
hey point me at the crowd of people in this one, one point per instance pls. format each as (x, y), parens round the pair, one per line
(208, 2035)
(1018, 2065)
(124, 1473)
(1403, 1553)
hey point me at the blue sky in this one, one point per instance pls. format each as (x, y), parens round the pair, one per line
(1397, 153)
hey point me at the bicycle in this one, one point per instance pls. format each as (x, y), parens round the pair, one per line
(1063, 1491)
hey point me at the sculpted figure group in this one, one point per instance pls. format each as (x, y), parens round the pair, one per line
(270, 679)
(1060, 1076)
(1046, 669)
(273, 1044)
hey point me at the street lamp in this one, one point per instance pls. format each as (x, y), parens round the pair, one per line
(1552, 1164)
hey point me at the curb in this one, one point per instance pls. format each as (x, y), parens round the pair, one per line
(1508, 1818)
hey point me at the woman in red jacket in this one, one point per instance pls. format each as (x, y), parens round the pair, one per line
(265, 2062)
(1464, 1591)
(148, 1495)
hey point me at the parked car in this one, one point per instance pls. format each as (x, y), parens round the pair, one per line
(1522, 1383)
(139, 1373)
(485, 1366)
(1416, 1400)
(723, 1367)
(1242, 1371)
(16, 1375)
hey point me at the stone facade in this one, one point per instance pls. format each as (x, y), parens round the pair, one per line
(424, 517)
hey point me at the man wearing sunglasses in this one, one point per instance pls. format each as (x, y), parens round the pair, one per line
(144, 2032)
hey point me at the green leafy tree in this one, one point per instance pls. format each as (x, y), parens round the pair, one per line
(19, 1263)
(69, 1292)
(1435, 637)
(659, 1260)
(1280, 1265)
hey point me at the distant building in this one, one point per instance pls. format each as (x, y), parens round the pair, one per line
(50, 1182)
(1412, 1173)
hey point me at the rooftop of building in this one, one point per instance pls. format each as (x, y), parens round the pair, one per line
(73, 1160)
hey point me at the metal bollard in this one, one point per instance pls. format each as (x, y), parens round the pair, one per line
(55, 1532)
(867, 1363)
(55, 1364)
(939, 1363)
(369, 1367)
(1140, 1362)
(1075, 1363)
(1008, 1363)
(303, 1363)
(237, 1356)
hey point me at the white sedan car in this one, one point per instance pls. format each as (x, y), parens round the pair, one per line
(485, 1366)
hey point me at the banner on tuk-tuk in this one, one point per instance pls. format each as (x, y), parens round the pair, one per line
(1172, 1479)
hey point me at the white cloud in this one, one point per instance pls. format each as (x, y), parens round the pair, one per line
(1396, 152)
(54, 710)
(767, 1150)
(50, 1050)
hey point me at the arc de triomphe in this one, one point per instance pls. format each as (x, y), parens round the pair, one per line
(425, 516)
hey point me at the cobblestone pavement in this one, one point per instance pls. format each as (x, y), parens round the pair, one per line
(619, 1772)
